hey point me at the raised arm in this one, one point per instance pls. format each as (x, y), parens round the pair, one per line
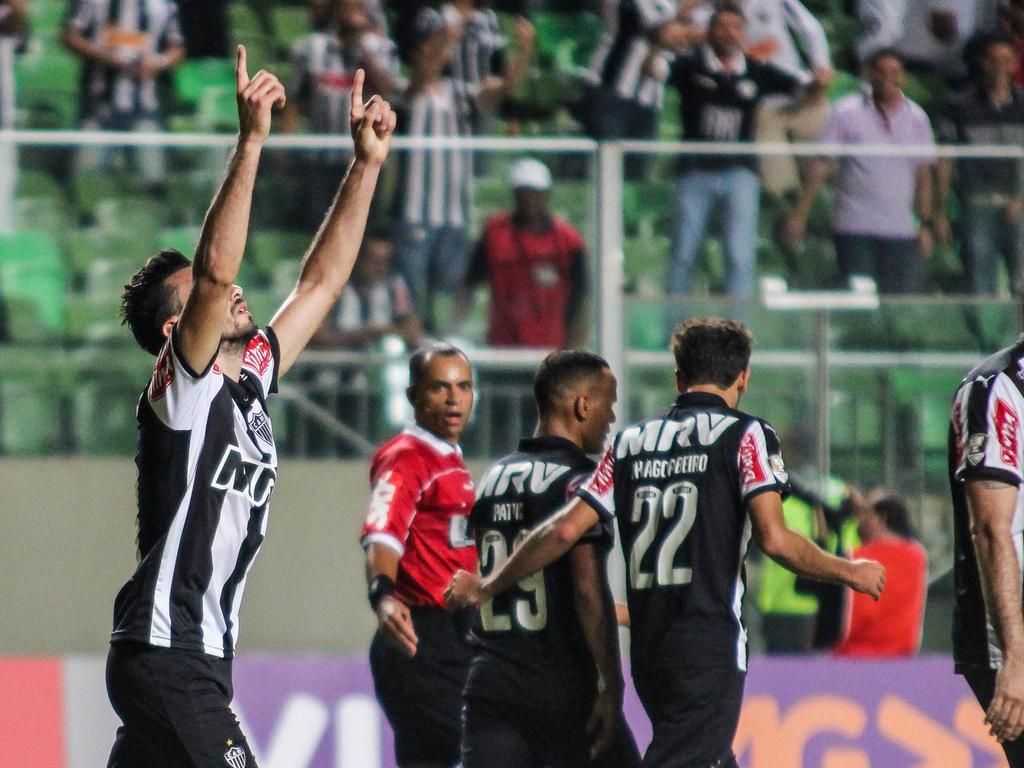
(992, 505)
(596, 612)
(222, 241)
(327, 265)
(545, 544)
(800, 555)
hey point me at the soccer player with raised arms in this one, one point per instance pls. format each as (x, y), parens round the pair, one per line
(206, 457)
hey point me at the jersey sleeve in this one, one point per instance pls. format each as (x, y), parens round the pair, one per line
(602, 532)
(987, 430)
(760, 464)
(260, 362)
(175, 392)
(395, 485)
(598, 490)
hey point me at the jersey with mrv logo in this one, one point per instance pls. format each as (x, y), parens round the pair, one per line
(678, 484)
(529, 642)
(207, 468)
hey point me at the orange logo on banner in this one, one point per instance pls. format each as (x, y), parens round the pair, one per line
(767, 738)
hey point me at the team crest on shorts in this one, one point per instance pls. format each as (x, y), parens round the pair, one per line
(235, 757)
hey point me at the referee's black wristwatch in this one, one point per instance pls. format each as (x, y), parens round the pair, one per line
(380, 587)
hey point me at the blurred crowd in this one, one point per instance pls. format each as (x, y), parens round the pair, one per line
(849, 72)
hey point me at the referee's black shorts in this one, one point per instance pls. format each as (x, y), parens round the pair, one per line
(175, 706)
(422, 695)
(983, 683)
(694, 713)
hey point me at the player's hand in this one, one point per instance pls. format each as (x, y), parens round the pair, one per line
(256, 97)
(622, 615)
(604, 719)
(371, 123)
(463, 590)
(868, 577)
(395, 622)
(1005, 714)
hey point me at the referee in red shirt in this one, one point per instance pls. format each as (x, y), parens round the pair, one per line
(415, 537)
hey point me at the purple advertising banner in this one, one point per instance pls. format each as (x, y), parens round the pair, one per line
(320, 712)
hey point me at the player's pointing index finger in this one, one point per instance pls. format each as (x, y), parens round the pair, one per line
(241, 69)
(357, 89)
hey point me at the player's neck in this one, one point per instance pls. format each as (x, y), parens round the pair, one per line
(557, 428)
(229, 360)
(730, 395)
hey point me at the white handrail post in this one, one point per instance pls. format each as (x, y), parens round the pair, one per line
(611, 316)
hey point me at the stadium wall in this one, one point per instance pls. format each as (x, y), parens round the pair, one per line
(319, 712)
(67, 544)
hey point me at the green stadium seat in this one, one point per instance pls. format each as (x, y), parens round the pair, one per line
(291, 22)
(181, 239)
(33, 294)
(30, 246)
(269, 248)
(29, 417)
(843, 84)
(104, 415)
(195, 76)
(34, 183)
(45, 213)
(48, 88)
(216, 110)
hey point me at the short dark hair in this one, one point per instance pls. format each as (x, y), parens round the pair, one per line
(997, 38)
(732, 8)
(892, 508)
(419, 359)
(560, 370)
(711, 350)
(885, 53)
(147, 302)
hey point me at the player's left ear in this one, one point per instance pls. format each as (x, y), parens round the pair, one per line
(580, 407)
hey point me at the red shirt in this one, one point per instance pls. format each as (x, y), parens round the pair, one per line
(421, 498)
(533, 277)
(890, 626)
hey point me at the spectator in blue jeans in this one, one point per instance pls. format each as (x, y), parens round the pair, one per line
(876, 195)
(432, 198)
(721, 90)
(989, 111)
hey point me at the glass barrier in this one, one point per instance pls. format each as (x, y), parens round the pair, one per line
(857, 392)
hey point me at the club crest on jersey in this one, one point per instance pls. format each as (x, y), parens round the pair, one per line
(778, 467)
(235, 757)
(1007, 423)
(258, 355)
(976, 448)
(259, 424)
(252, 479)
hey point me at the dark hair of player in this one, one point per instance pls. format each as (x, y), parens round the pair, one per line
(997, 38)
(884, 53)
(561, 370)
(420, 358)
(711, 350)
(147, 302)
(732, 8)
(893, 509)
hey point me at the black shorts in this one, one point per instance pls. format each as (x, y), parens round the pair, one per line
(983, 683)
(175, 706)
(496, 735)
(694, 712)
(422, 695)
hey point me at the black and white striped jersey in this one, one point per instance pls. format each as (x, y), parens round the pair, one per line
(480, 54)
(530, 646)
(207, 466)
(985, 442)
(434, 182)
(323, 70)
(133, 29)
(627, 62)
(678, 484)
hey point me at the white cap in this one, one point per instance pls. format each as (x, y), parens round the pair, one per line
(530, 174)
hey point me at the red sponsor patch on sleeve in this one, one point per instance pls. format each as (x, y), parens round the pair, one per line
(603, 479)
(163, 374)
(258, 355)
(752, 471)
(1007, 423)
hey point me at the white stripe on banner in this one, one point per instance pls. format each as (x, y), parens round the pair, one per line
(89, 720)
(357, 732)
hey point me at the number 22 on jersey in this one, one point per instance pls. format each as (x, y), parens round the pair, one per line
(528, 608)
(666, 517)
